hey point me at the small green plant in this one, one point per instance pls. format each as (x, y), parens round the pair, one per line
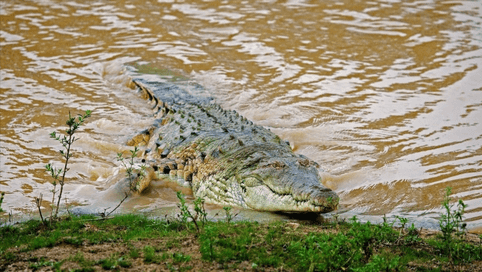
(132, 176)
(336, 222)
(185, 213)
(381, 263)
(200, 211)
(38, 264)
(451, 222)
(124, 262)
(180, 258)
(2, 194)
(56, 266)
(200, 215)
(58, 174)
(128, 164)
(229, 215)
(114, 261)
(108, 263)
(134, 253)
(403, 221)
(80, 259)
(386, 223)
(149, 254)
(412, 235)
(480, 245)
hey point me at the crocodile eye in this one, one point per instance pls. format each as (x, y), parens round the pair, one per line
(278, 164)
(272, 164)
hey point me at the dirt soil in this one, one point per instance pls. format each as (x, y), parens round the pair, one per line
(188, 246)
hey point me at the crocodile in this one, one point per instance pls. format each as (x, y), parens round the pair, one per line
(223, 157)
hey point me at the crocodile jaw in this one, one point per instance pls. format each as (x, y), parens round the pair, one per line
(263, 198)
(276, 185)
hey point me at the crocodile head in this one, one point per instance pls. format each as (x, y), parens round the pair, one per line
(289, 184)
(270, 181)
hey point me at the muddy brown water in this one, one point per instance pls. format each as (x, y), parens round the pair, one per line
(385, 95)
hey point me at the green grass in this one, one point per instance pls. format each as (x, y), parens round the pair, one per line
(348, 246)
(76, 230)
(79, 258)
(275, 246)
(114, 262)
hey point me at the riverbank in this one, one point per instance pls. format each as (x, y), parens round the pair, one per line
(136, 243)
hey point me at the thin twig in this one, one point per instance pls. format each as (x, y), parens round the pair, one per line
(118, 205)
(39, 201)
